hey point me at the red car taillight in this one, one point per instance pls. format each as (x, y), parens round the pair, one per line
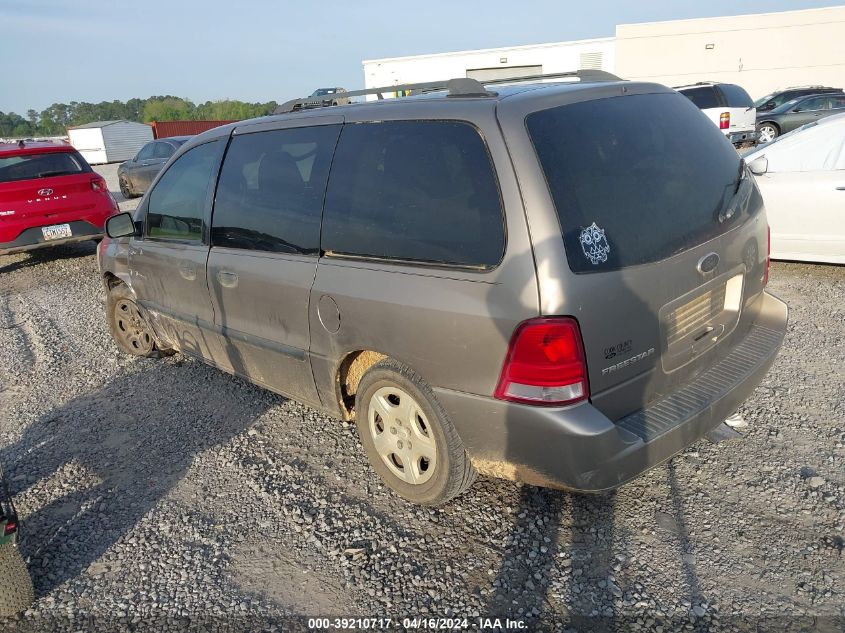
(545, 364)
(768, 254)
(99, 184)
(724, 120)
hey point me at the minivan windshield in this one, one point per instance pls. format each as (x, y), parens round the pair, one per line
(634, 179)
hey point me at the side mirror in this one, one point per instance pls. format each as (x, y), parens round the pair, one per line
(796, 110)
(120, 225)
(759, 165)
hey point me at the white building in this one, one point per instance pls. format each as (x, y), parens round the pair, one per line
(492, 63)
(760, 52)
(109, 141)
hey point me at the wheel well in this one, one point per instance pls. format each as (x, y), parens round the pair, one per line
(352, 368)
(772, 123)
(111, 280)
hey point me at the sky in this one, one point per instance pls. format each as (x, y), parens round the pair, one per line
(100, 50)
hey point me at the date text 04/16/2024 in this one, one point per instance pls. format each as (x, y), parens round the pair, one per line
(441, 624)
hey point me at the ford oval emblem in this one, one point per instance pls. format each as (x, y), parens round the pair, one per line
(708, 263)
(45, 192)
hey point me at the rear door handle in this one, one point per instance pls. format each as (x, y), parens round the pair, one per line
(227, 278)
(841, 188)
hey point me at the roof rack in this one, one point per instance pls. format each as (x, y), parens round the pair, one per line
(587, 74)
(458, 87)
(461, 87)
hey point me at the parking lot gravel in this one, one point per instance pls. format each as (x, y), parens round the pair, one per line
(167, 495)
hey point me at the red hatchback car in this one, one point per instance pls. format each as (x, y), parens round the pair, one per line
(49, 195)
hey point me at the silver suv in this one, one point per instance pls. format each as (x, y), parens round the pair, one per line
(540, 282)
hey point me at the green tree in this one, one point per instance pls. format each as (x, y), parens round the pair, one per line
(58, 117)
(167, 109)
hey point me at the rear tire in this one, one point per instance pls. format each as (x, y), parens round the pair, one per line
(767, 132)
(408, 437)
(128, 327)
(16, 592)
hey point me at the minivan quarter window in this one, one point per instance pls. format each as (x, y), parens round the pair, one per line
(271, 189)
(419, 191)
(178, 201)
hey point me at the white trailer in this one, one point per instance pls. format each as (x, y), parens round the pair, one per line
(493, 63)
(109, 141)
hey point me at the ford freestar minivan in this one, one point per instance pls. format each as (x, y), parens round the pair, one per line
(535, 282)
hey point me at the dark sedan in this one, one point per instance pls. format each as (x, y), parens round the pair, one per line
(793, 114)
(136, 175)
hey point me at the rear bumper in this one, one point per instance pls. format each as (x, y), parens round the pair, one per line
(33, 238)
(748, 136)
(580, 449)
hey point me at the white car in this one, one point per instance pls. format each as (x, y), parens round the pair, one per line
(802, 178)
(728, 106)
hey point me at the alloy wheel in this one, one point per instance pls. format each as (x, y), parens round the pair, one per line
(767, 133)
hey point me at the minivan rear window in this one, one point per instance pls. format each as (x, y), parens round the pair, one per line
(634, 179)
(30, 166)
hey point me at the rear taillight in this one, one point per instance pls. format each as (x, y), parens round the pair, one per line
(545, 364)
(768, 255)
(11, 526)
(724, 120)
(98, 184)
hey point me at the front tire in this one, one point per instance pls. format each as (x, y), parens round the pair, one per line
(767, 132)
(408, 437)
(129, 329)
(16, 593)
(125, 190)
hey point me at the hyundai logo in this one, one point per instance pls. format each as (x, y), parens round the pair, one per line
(45, 192)
(708, 263)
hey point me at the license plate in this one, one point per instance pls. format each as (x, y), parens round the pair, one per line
(56, 232)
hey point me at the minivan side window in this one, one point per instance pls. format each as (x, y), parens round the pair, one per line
(421, 191)
(271, 189)
(177, 202)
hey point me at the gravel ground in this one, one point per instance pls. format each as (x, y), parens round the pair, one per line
(167, 495)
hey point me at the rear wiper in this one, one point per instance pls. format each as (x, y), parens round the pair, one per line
(739, 175)
(47, 174)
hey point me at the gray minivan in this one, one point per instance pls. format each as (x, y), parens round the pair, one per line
(539, 282)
